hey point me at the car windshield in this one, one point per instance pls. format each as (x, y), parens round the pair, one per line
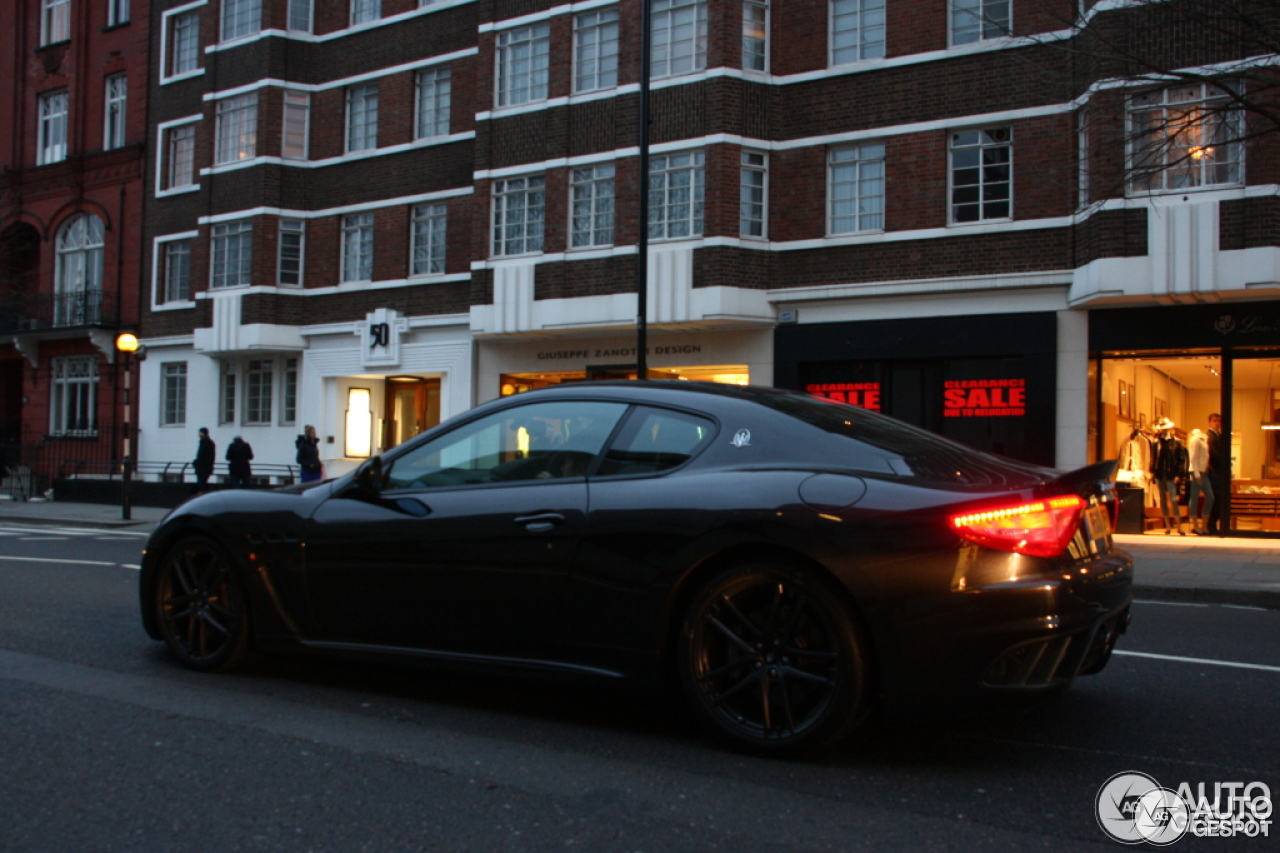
(912, 451)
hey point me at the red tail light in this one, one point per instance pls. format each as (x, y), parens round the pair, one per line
(1041, 528)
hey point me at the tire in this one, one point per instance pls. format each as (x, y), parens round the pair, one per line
(200, 606)
(770, 660)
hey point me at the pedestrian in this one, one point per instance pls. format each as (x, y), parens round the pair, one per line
(1214, 471)
(206, 453)
(238, 455)
(308, 459)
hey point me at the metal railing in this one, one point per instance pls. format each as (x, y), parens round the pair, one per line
(22, 312)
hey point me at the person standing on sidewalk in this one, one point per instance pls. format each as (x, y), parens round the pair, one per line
(308, 459)
(238, 455)
(206, 453)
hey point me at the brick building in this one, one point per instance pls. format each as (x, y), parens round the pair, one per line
(371, 215)
(71, 194)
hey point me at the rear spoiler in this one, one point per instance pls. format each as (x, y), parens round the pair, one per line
(1089, 480)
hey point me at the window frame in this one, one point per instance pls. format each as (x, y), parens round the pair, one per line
(52, 135)
(423, 224)
(173, 393)
(236, 129)
(862, 153)
(982, 20)
(593, 178)
(361, 133)
(660, 226)
(55, 21)
(180, 49)
(749, 42)
(865, 48)
(502, 225)
(117, 12)
(433, 102)
(167, 282)
(357, 248)
(514, 87)
(365, 12)
(74, 395)
(596, 52)
(295, 103)
(290, 226)
(239, 19)
(664, 56)
(116, 112)
(1205, 130)
(982, 166)
(296, 12)
(257, 392)
(80, 247)
(756, 167)
(224, 237)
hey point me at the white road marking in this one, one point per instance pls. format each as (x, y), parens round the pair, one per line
(1179, 659)
(51, 560)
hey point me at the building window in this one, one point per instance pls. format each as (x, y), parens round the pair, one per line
(975, 20)
(259, 376)
(855, 177)
(232, 254)
(364, 11)
(291, 243)
(297, 115)
(53, 128)
(755, 35)
(1184, 137)
(78, 277)
(523, 62)
(289, 392)
(595, 50)
(74, 409)
(227, 394)
(117, 12)
(55, 21)
(857, 30)
(981, 174)
(679, 37)
(752, 194)
(237, 129)
(676, 190)
(180, 156)
(117, 99)
(518, 210)
(434, 95)
(300, 14)
(240, 18)
(427, 251)
(173, 393)
(592, 195)
(184, 43)
(362, 117)
(177, 271)
(357, 247)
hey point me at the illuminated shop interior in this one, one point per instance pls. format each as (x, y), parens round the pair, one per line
(730, 374)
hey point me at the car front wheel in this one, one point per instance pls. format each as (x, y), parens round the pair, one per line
(200, 605)
(770, 659)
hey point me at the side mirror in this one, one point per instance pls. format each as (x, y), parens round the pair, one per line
(369, 475)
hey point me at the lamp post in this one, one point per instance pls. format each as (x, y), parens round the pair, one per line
(127, 345)
(642, 240)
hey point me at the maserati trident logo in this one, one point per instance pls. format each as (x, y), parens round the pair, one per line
(741, 438)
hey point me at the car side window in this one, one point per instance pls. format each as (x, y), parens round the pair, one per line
(537, 441)
(655, 440)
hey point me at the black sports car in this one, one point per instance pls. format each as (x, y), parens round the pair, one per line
(786, 561)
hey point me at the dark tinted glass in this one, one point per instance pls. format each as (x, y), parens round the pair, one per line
(655, 440)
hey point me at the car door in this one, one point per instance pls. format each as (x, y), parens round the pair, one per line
(469, 538)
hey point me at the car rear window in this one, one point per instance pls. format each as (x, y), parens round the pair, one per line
(910, 450)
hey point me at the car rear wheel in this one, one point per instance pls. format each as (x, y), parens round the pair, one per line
(769, 658)
(200, 605)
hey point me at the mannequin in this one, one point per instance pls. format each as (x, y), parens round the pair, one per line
(1169, 467)
(1135, 459)
(1201, 484)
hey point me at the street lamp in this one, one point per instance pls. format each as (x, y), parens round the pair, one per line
(127, 345)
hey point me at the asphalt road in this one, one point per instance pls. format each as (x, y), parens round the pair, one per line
(105, 744)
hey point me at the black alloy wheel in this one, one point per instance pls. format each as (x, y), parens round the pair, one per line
(770, 660)
(200, 605)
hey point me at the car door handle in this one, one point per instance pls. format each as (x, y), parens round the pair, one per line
(540, 522)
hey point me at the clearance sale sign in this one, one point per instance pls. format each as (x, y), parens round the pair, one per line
(984, 398)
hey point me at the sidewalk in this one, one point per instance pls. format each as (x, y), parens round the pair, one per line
(1202, 569)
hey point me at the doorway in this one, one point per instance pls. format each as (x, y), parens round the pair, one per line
(412, 407)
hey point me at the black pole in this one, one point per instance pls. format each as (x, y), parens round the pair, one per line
(127, 479)
(642, 241)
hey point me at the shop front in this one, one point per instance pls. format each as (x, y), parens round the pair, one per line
(1159, 376)
(508, 366)
(987, 381)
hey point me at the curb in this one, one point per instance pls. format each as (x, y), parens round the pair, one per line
(1263, 598)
